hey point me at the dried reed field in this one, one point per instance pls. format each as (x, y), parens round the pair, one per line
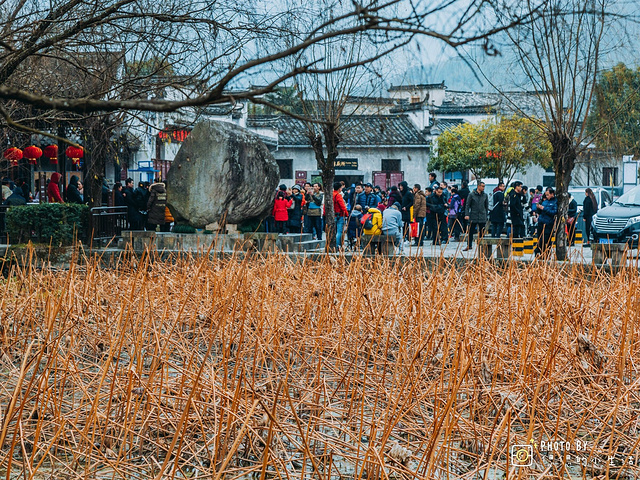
(262, 368)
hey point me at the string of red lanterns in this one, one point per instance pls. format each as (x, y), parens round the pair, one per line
(32, 153)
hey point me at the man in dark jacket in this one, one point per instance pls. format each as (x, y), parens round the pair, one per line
(516, 210)
(572, 213)
(439, 209)
(155, 206)
(295, 214)
(431, 217)
(497, 211)
(405, 210)
(132, 200)
(547, 210)
(368, 198)
(476, 212)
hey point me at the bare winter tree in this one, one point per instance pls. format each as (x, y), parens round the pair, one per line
(560, 52)
(214, 44)
(323, 100)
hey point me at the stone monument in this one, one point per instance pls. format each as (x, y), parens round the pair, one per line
(223, 174)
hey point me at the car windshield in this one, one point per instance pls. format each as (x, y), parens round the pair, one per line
(632, 197)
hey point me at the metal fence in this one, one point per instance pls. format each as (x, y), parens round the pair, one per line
(107, 222)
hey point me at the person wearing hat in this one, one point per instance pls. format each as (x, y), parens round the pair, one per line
(439, 208)
(368, 198)
(392, 224)
(295, 213)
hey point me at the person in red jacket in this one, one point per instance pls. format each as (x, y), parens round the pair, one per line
(281, 211)
(340, 210)
(53, 190)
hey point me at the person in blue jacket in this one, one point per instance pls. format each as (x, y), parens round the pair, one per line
(547, 210)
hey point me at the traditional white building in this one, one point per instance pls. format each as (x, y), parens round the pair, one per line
(386, 139)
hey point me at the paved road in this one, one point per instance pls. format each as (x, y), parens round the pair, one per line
(577, 254)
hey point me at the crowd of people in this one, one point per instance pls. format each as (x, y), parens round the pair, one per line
(439, 213)
(146, 204)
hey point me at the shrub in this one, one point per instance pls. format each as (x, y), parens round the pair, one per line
(56, 223)
(182, 228)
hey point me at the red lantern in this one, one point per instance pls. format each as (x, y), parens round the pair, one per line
(51, 152)
(32, 154)
(13, 154)
(75, 154)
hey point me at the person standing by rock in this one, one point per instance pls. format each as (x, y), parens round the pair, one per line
(295, 213)
(476, 213)
(281, 210)
(156, 205)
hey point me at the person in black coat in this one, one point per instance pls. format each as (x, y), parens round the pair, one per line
(439, 208)
(133, 201)
(496, 216)
(589, 209)
(516, 210)
(464, 193)
(572, 214)
(405, 209)
(73, 192)
(295, 213)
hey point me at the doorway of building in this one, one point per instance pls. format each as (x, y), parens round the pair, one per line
(349, 179)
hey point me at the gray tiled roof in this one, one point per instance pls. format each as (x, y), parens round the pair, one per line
(507, 103)
(357, 130)
(441, 125)
(418, 86)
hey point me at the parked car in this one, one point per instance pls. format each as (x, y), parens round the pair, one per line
(619, 222)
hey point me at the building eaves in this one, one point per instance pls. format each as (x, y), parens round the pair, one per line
(417, 86)
(357, 130)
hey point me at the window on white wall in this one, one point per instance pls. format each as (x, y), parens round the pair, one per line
(286, 168)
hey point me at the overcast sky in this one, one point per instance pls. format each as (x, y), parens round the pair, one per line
(429, 61)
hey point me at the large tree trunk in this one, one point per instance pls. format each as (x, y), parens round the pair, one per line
(326, 164)
(564, 156)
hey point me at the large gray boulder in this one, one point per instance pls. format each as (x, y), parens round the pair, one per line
(222, 173)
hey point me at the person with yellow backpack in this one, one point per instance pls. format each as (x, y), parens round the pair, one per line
(372, 222)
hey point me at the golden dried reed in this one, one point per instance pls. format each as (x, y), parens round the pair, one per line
(261, 367)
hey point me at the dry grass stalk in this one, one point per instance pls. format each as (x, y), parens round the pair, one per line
(205, 368)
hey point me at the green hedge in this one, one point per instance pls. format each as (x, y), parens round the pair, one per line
(56, 223)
